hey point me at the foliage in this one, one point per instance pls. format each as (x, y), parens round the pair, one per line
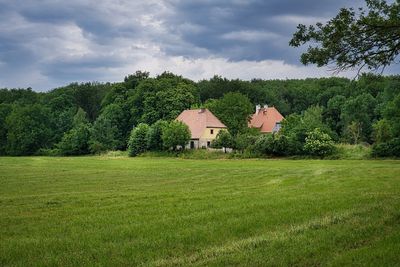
(390, 148)
(28, 129)
(358, 114)
(318, 143)
(76, 140)
(175, 134)
(245, 140)
(234, 110)
(347, 151)
(5, 110)
(392, 114)
(154, 138)
(223, 140)
(335, 105)
(370, 38)
(382, 131)
(137, 143)
(109, 130)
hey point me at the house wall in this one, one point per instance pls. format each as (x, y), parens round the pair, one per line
(207, 136)
(204, 139)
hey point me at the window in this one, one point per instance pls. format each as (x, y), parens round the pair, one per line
(212, 131)
(208, 143)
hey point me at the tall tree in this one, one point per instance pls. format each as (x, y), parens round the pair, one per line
(233, 110)
(368, 38)
(76, 140)
(28, 129)
(110, 129)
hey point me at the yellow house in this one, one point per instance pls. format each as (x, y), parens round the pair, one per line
(203, 126)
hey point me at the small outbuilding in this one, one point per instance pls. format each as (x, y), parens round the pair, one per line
(266, 119)
(203, 126)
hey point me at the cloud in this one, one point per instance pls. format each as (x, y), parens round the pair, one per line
(50, 43)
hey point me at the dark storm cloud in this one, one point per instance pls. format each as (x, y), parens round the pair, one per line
(46, 43)
(251, 30)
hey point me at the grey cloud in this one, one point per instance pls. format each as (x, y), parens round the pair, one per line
(58, 42)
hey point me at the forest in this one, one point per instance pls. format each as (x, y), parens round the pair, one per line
(138, 114)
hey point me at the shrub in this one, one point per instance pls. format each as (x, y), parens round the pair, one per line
(245, 141)
(387, 149)
(318, 143)
(138, 140)
(175, 134)
(264, 144)
(223, 140)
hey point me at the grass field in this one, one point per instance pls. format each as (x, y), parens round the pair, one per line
(111, 211)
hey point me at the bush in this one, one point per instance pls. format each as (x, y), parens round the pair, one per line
(223, 140)
(318, 143)
(264, 144)
(175, 134)
(244, 141)
(75, 141)
(387, 149)
(138, 140)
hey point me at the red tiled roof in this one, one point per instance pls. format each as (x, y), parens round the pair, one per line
(265, 119)
(198, 120)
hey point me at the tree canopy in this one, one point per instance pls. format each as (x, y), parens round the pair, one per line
(368, 37)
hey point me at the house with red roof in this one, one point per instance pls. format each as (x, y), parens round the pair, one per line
(203, 126)
(267, 119)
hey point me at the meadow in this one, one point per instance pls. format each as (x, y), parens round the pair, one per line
(120, 211)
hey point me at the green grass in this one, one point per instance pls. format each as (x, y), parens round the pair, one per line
(119, 211)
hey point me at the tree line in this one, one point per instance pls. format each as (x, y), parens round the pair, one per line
(90, 118)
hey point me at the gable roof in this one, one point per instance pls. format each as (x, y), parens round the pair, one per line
(265, 119)
(198, 120)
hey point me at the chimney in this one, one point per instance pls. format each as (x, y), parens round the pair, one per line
(265, 106)
(258, 107)
(202, 110)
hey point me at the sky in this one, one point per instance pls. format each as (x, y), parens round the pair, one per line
(50, 43)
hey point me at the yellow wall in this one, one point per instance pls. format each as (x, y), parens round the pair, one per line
(207, 133)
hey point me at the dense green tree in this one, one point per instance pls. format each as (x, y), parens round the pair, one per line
(138, 140)
(163, 97)
(19, 96)
(154, 139)
(76, 140)
(370, 37)
(133, 80)
(63, 110)
(175, 134)
(392, 114)
(382, 131)
(360, 110)
(332, 113)
(109, 130)
(168, 104)
(5, 110)
(234, 110)
(295, 128)
(28, 129)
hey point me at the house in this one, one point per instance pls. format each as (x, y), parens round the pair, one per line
(203, 126)
(267, 119)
